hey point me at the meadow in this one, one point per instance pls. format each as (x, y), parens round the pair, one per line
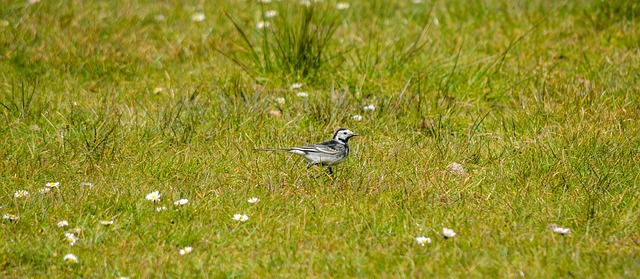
(516, 124)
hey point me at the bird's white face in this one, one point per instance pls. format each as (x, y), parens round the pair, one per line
(343, 135)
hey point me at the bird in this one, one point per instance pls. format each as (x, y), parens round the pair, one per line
(326, 154)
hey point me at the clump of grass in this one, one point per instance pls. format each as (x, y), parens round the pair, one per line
(23, 100)
(292, 45)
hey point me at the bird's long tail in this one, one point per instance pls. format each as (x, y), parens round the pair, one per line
(273, 149)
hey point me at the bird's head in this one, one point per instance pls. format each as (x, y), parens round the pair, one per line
(343, 135)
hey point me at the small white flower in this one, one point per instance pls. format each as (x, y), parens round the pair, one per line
(357, 117)
(106, 222)
(44, 190)
(71, 238)
(342, 6)
(264, 1)
(253, 200)
(34, 1)
(87, 184)
(560, 230)
(302, 94)
(77, 230)
(416, 1)
(296, 86)
(240, 217)
(369, 108)
(21, 194)
(63, 224)
(263, 24)
(423, 240)
(456, 168)
(198, 17)
(161, 208)
(186, 250)
(52, 185)
(70, 258)
(10, 217)
(448, 233)
(270, 13)
(159, 17)
(154, 196)
(181, 202)
(436, 22)
(280, 100)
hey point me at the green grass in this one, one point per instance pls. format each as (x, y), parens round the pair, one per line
(537, 100)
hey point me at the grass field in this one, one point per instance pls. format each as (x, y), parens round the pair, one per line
(538, 102)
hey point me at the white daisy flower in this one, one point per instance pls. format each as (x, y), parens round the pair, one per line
(52, 185)
(357, 117)
(106, 222)
(186, 250)
(44, 190)
(560, 230)
(154, 196)
(253, 200)
(70, 258)
(263, 24)
(240, 217)
(423, 240)
(198, 17)
(296, 86)
(369, 108)
(157, 90)
(21, 194)
(448, 233)
(280, 100)
(456, 168)
(161, 208)
(302, 94)
(342, 6)
(63, 224)
(270, 14)
(10, 217)
(181, 202)
(71, 238)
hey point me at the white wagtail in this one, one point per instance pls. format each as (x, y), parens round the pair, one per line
(327, 154)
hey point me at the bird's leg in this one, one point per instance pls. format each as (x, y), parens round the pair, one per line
(311, 165)
(330, 171)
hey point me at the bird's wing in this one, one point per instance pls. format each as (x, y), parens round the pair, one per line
(328, 147)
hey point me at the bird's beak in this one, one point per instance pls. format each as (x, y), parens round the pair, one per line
(354, 135)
